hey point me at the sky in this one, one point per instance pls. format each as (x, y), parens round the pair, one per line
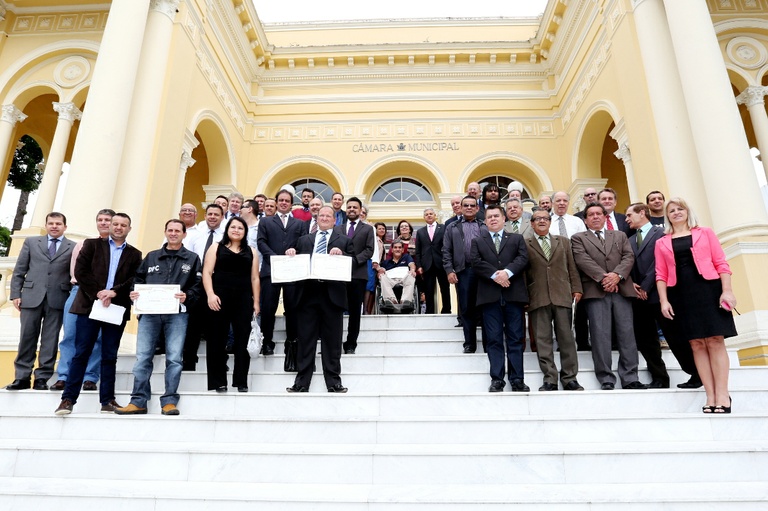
(273, 11)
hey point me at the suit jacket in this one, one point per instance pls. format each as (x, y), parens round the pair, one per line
(454, 257)
(429, 253)
(454, 218)
(337, 290)
(92, 271)
(595, 260)
(551, 281)
(644, 269)
(362, 247)
(37, 275)
(622, 225)
(523, 229)
(512, 256)
(274, 239)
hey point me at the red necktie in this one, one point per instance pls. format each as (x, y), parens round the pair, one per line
(610, 224)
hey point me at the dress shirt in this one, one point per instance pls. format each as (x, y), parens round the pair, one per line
(318, 237)
(572, 225)
(549, 239)
(614, 223)
(58, 242)
(471, 231)
(644, 230)
(114, 260)
(199, 245)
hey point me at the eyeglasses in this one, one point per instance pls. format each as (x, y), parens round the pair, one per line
(589, 194)
(541, 219)
(469, 205)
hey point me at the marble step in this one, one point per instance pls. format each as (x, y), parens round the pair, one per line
(574, 429)
(23, 493)
(415, 405)
(404, 382)
(542, 463)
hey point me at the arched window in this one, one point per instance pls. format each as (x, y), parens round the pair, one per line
(402, 189)
(503, 183)
(320, 188)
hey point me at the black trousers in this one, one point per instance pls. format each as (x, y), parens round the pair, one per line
(647, 338)
(270, 299)
(195, 326)
(355, 295)
(236, 310)
(320, 319)
(436, 275)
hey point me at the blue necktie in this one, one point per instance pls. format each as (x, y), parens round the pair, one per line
(322, 245)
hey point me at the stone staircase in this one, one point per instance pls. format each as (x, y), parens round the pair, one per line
(418, 430)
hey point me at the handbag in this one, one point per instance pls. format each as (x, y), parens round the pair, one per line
(291, 353)
(255, 338)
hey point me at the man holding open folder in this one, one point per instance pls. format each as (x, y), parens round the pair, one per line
(322, 304)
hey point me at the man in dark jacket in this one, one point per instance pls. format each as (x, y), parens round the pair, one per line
(173, 264)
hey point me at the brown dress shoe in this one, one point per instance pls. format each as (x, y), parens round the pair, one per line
(89, 385)
(65, 407)
(110, 407)
(59, 385)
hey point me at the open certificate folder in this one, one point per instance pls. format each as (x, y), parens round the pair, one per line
(318, 266)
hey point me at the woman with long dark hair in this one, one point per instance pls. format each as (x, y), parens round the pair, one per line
(231, 282)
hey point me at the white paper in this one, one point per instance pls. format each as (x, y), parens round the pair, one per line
(112, 314)
(156, 299)
(331, 267)
(290, 268)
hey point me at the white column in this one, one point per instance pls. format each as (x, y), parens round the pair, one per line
(46, 194)
(626, 157)
(753, 98)
(140, 141)
(101, 137)
(186, 162)
(670, 115)
(8, 119)
(718, 133)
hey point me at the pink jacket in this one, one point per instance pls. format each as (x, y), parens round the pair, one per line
(707, 254)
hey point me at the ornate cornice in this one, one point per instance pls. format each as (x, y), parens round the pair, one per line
(12, 115)
(623, 153)
(186, 160)
(166, 7)
(67, 112)
(752, 95)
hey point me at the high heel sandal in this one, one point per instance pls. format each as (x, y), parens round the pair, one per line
(707, 409)
(724, 409)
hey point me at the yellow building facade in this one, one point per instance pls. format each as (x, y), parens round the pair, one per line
(159, 102)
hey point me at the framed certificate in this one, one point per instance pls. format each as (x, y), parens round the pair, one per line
(156, 299)
(290, 268)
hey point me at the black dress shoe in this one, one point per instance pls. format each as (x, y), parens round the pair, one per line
(90, 386)
(221, 389)
(297, 388)
(40, 384)
(267, 351)
(338, 388)
(635, 385)
(519, 386)
(468, 349)
(349, 351)
(690, 384)
(497, 386)
(548, 387)
(18, 385)
(573, 385)
(59, 385)
(242, 389)
(658, 384)
(607, 386)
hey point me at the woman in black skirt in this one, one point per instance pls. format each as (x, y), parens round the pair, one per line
(231, 281)
(694, 283)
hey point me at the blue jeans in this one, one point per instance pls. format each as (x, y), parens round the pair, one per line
(174, 326)
(504, 323)
(87, 332)
(67, 345)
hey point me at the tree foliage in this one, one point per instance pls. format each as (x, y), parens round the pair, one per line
(25, 174)
(5, 240)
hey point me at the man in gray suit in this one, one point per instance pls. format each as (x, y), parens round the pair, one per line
(553, 283)
(604, 258)
(39, 288)
(516, 222)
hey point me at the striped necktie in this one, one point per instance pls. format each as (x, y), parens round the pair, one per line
(545, 247)
(497, 241)
(322, 244)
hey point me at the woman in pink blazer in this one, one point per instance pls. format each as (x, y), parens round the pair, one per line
(694, 283)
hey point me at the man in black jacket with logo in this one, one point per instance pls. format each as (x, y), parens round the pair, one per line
(172, 264)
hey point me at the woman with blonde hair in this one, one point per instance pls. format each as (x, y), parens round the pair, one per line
(694, 283)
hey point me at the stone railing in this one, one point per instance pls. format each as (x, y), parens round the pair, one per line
(6, 269)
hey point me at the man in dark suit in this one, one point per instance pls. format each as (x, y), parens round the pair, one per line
(605, 260)
(646, 309)
(457, 262)
(361, 235)
(277, 234)
(322, 305)
(613, 221)
(499, 260)
(553, 284)
(429, 262)
(456, 207)
(105, 270)
(39, 288)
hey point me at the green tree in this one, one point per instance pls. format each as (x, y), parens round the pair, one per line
(25, 174)
(5, 241)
